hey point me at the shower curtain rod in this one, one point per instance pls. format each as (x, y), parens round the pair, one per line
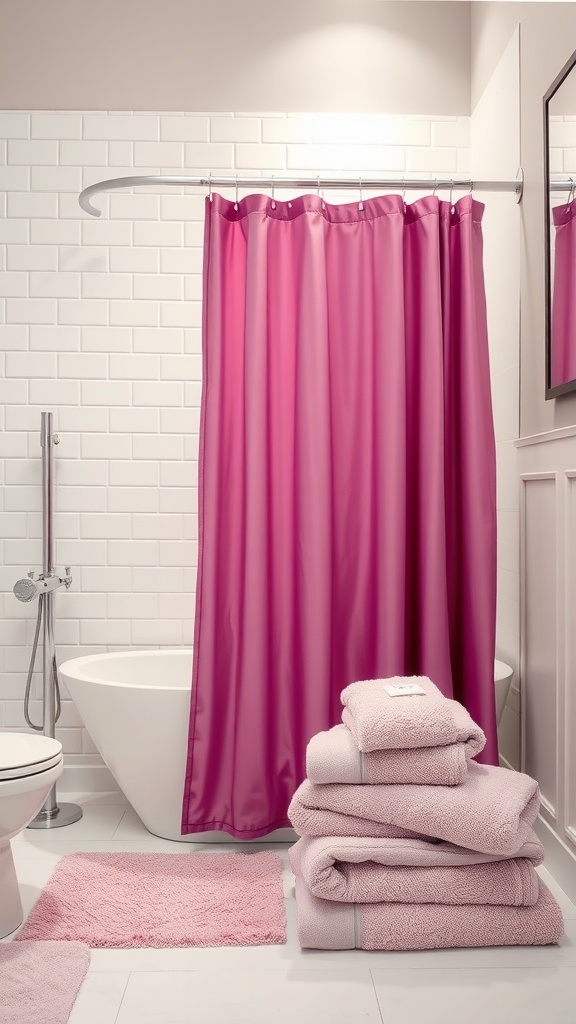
(368, 184)
(566, 184)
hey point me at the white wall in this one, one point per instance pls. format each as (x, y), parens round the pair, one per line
(222, 55)
(99, 322)
(547, 40)
(495, 154)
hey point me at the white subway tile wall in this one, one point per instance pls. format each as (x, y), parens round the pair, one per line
(100, 324)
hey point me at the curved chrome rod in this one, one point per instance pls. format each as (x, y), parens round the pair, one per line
(368, 184)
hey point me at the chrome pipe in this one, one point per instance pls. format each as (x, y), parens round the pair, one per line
(50, 805)
(47, 441)
(51, 814)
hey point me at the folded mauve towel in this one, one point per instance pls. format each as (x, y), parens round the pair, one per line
(379, 721)
(333, 756)
(414, 871)
(323, 924)
(491, 811)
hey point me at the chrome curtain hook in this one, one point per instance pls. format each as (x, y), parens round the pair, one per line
(236, 202)
(451, 193)
(210, 186)
(572, 190)
(321, 194)
(360, 204)
(470, 187)
(272, 201)
(435, 186)
(404, 194)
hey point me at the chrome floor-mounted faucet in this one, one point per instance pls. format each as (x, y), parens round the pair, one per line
(44, 585)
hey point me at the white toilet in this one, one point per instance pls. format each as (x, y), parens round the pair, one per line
(502, 678)
(29, 767)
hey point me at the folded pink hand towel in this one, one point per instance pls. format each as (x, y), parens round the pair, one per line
(492, 811)
(323, 924)
(379, 721)
(413, 871)
(333, 756)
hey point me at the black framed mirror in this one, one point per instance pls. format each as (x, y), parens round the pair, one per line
(560, 237)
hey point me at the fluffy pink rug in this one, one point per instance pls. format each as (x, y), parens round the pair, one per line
(39, 981)
(162, 899)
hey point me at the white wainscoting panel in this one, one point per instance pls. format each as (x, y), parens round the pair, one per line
(538, 502)
(570, 673)
(547, 466)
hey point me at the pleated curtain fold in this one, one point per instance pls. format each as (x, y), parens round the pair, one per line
(347, 505)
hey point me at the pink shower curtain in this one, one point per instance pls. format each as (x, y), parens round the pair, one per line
(347, 483)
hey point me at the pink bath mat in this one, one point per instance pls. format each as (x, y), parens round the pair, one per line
(162, 899)
(39, 981)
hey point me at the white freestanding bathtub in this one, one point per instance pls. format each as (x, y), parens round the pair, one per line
(136, 707)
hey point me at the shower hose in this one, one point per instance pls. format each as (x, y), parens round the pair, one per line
(39, 728)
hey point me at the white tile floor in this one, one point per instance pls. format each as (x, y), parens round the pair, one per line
(287, 985)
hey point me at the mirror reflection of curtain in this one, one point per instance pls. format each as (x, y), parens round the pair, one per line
(563, 340)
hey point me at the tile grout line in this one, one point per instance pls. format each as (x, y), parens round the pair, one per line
(122, 997)
(373, 980)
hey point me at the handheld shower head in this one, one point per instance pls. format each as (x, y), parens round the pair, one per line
(25, 590)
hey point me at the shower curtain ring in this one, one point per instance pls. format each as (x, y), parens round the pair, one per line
(404, 194)
(572, 190)
(451, 192)
(321, 194)
(360, 204)
(435, 186)
(236, 202)
(471, 186)
(210, 186)
(272, 201)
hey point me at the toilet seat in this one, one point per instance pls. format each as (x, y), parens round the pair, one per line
(23, 754)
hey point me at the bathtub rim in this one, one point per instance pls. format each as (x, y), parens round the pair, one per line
(502, 671)
(79, 669)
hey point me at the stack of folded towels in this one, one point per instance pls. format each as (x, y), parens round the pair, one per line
(407, 843)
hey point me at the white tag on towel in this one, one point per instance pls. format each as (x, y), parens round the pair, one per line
(403, 689)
